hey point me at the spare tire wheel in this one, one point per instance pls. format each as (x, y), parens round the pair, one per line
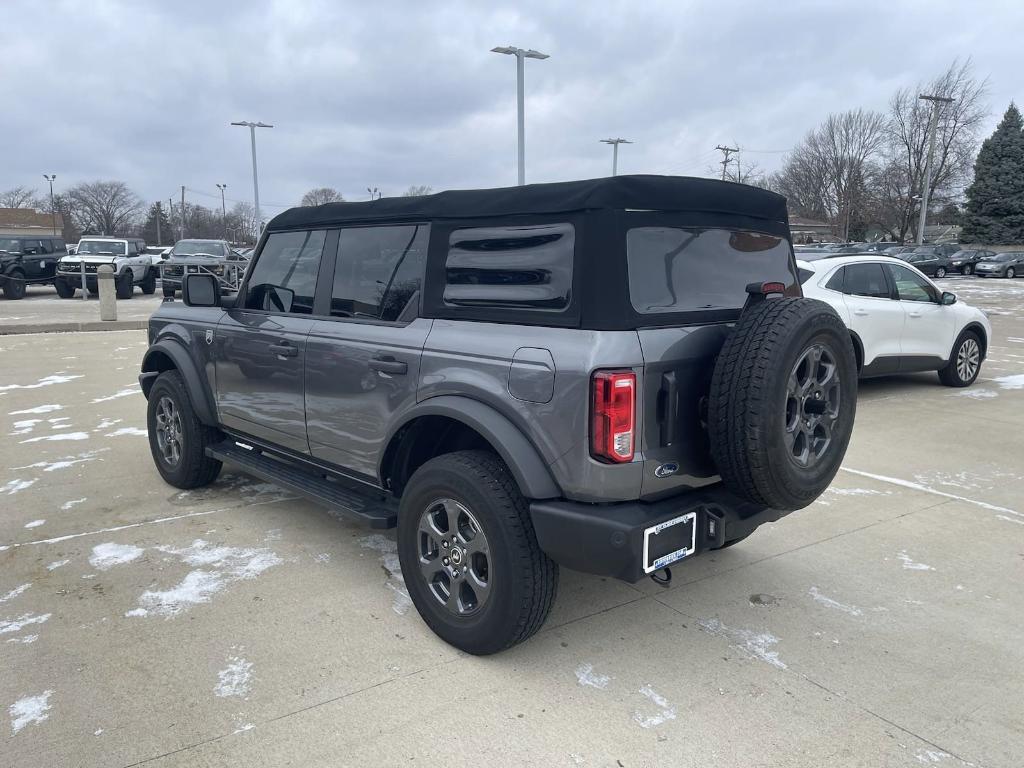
(782, 402)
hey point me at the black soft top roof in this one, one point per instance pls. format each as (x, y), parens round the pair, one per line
(654, 193)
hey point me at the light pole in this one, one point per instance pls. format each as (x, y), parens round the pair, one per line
(223, 209)
(520, 55)
(936, 101)
(255, 180)
(53, 211)
(615, 152)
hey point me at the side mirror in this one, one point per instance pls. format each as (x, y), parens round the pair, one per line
(947, 298)
(200, 291)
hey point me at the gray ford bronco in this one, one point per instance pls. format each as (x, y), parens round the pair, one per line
(613, 376)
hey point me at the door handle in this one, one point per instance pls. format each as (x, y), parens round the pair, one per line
(914, 314)
(388, 365)
(284, 350)
(861, 312)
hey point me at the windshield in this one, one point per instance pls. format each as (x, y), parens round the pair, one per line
(113, 247)
(929, 250)
(1003, 257)
(192, 247)
(10, 244)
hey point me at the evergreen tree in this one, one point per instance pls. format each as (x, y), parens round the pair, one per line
(995, 199)
(167, 235)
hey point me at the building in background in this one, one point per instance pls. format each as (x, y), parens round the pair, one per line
(26, 221)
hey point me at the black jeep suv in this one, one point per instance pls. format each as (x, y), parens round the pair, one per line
(612, 375)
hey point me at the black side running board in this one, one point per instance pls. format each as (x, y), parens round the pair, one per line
(376, 510)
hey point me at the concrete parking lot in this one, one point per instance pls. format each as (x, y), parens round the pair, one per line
(236, 625)
(42, 308)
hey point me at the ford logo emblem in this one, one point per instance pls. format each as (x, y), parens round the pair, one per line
(666, 469)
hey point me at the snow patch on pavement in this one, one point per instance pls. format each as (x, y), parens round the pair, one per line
(10, 626)
(37, 410)
(217, 568)
(14, 486)
(35, 523)
(389, 561)
(666, 710)
(106, 556)
(46, 381)
(14, 593)
(57, 564)
(586, 676)
(69, 504)
(755, 644)
(25, 426)
(235, 679)
(60, 436)
(24, 639)
(64, 463)
(828, 602)
(976, 394)
(29, 710)
(134, 389)
(1010, 382)
(909, 564)
(135, 431)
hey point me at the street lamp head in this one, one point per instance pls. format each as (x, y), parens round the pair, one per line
(222, 186)
(249, 124)
(532, 54)
(615, 141)
(525, 53)
(50, 177)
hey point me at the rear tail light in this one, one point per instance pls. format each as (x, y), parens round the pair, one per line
(613, 416)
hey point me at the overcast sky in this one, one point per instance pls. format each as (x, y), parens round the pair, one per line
(391, 93)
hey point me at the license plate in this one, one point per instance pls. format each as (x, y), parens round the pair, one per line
(670, 541)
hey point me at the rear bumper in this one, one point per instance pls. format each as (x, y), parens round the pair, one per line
(608, 539)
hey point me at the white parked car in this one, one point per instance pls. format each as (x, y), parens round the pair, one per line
(900, 321)
(132, 266)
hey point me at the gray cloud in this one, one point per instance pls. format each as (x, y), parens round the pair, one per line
(390, 94)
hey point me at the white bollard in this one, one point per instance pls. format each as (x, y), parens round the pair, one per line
(108, 296)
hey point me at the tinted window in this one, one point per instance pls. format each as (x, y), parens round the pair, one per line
(46, 246)
(835, 282)
(378, 271)
(284, 277)
(910, 286)
(528, 267)
(30, 247)
(804, 275)
(866, 280)
(677, 270)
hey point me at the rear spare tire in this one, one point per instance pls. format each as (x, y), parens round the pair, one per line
(782, 402)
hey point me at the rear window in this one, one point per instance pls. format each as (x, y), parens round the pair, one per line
(680, 270)
(524, 267)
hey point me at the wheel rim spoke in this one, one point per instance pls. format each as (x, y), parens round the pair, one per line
(454, 557)
(168, 431)
(813, 404)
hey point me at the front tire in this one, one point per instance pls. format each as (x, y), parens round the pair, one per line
(64, 289)
(1010, 272)
(168, 292)
(940, 272)
(464, 511)
(966, 269)
(177, 439)
(124, 286)
(965, 362)
(14, 285)
(148, 284)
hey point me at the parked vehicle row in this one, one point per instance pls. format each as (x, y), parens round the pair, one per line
(214, 257)
(132, 267)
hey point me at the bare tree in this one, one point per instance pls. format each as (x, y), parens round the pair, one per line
(105, 207)
(417, 190)
(21, 197)
(956, 139)
(242, 222)
(322, 195)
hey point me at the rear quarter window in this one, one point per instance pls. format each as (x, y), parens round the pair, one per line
(681, 270)
(520, 267)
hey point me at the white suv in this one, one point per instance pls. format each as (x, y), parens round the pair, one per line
(132, 267)
(900, 321)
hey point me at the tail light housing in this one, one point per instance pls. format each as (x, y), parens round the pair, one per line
(613, 416)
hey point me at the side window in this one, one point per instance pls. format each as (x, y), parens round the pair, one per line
(30, 247)
(132, 250)
(910, 286)
(46, 246)
(835, 283)
(379, 271)
(524, 267)
(59, 246)
(866, 280)
(284, 276)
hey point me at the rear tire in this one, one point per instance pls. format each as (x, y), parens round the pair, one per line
(505, 593)
(14, 285)
(64, 289)
(1011, 272)
(148, 284)
(940, 272)
(177, 439)
(964, 363)
(168, 292)
(966, 269)
(782, 402)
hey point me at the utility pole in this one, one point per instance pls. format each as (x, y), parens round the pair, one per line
(181, 218)
(615, 152)
(726, 151)
(520, 54)
(159, 213)
(936, 102)
(53, 211)
(255, 177)
(223, 209)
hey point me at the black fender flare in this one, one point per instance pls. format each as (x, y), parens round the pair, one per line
(524, 462)
(198, 389)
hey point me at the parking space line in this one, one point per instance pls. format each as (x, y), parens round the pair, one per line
(935, 492)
